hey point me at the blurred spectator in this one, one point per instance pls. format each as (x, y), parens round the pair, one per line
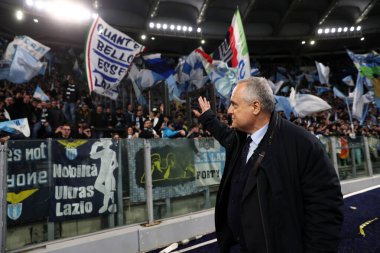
(70, 99)
(170, 132)
(98, 122)
(83, 131)
(63, 132)
(148, 132)
(42, 128)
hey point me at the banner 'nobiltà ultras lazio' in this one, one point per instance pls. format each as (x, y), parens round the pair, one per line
(109, 53)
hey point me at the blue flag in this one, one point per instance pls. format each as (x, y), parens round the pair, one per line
(40, 94)
(24, 67)
(16, 126)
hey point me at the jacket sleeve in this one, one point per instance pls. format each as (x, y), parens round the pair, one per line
(219, 130)
(323, 202)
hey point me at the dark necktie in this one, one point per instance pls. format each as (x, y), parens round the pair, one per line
(244, 153)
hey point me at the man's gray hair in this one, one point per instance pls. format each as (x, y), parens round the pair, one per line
(257, 88)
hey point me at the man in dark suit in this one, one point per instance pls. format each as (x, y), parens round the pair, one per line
(279, 191)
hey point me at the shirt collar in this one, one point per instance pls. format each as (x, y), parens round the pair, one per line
(259, 134)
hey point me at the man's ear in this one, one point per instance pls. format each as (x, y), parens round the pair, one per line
(256, 107)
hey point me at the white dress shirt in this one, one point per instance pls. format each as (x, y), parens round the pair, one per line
(256, 138)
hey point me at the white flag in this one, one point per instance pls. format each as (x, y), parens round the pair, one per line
(323, 73)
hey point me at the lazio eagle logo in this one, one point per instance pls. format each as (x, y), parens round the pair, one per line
(71, 147)
(15, 204)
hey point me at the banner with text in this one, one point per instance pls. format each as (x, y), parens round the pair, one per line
(109, 53)
(179, 167)
(84, 179)
(28, 182)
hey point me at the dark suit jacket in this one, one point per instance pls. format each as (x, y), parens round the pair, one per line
(296, 190)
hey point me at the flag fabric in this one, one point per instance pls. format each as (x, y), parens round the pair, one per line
(190, 72)
(159, 65)
(360, 99)
(234, 49)
(283, 104)
(156, 63)
(367, 64)
(348, 80)
(4, 69)
(16, 126)
(307, 104)
(109, 54)
(144, 78)
(174, 93)
(323, 73)
(33, 47)
(40, 94)
(24, 67)
(339, 94)
(275, 86)
(224, 79)
(134, 76)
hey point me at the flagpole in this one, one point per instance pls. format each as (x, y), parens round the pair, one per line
(349, 115)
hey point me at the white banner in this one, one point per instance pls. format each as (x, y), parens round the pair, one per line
(109, 54)
(208, 161)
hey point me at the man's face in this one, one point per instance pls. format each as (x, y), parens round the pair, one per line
(240, 110)
(148, 124)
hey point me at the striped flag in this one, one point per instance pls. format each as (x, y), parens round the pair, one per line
(234, 49)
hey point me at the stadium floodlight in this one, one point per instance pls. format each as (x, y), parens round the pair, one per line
(333, 30)
(190, 29)
(203, 41)
(184, 28)
(19, 15)
(303, 42)
(312, 42)
(362, 38)
(339, 29)
(352, 29)
(158, 26)
(143, 37)
(327, 30)
(164, 26)
(35, 20)
(29, 2)
(153, 38)
(172, 27)
(345, 29)
(320, 31)
(40, 5)
(179, 28)
(199, 29)
(358, 28)
(151, 25)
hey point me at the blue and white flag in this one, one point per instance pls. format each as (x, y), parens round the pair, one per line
(323, 73)
(16, 126)
(144, 78)
(109, 53)
(156, 63)
(348, 80)
(321, 89)
(24, 67)
(190, 72)
(224, 79)
(4, 69)
(174, 93)
(339, 94)
(283, 104)
(40, 94)
(360, 99)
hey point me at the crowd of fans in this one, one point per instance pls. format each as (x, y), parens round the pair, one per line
(72, 112)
